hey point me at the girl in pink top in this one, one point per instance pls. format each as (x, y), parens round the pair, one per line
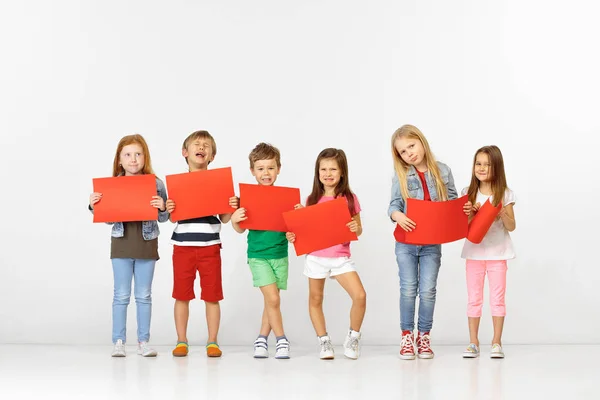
(331, 181)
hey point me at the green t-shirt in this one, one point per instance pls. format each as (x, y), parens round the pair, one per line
(267, 244)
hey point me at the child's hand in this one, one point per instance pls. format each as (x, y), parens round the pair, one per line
(94, 198)
(468, 208)
(234, 202)
(297, 206)
(170, 205)
(353, 225)
(158, 202)
(405, 223)
(502, 213)
(476, 207)
(290, 236)
(239, 215)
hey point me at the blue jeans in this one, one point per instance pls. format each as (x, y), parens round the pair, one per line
(124, 270)
(418, 268)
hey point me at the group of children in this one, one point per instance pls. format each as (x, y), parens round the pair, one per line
(197, 247)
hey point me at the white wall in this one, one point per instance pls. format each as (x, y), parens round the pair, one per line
(76, 76)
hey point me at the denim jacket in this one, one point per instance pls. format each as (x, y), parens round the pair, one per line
(415, 189)
(150, 229)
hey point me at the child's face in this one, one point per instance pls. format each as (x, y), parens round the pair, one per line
(482, 168)
(411, 150)
(199, 153)
(132, 159)
(265, 171)
(329, 173)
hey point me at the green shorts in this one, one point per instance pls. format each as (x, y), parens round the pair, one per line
(266, 272)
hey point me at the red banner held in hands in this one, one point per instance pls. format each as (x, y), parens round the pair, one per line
(125, 198)
(201, 193)
(436, 222)
(482, 221)
(320, 226)
(265, 206)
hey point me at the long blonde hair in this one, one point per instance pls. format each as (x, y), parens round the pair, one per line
(496, 172)
(126, 141)
(401, 167)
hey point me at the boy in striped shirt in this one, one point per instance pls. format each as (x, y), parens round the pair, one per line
(197, 247)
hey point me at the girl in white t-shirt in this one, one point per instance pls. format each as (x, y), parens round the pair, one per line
(489, 257)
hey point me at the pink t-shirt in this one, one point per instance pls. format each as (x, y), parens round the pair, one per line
(339, 250)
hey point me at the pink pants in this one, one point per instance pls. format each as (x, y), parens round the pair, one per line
(496, 272)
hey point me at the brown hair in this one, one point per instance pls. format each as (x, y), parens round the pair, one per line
(496, 172)
(126, 141)
(343, 187)
(401, 167)
(264, 151)
(200, 135)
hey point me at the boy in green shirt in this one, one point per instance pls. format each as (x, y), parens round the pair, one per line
(267, 256)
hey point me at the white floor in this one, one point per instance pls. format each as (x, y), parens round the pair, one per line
(88, 372)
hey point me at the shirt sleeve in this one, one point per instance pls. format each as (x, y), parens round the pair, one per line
(357, 208)
(509, 197)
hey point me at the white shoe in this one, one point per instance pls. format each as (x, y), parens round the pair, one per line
(327, 352)
(145, 351)
(261, 349)
(119, 349)
(352, 345)
(472, 351)
(496, 351)
(282, 349)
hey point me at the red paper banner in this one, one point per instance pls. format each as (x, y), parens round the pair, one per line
(125, 198)
(320, 226)
(265, 205)
(201, 193)
(436, 222)
(482, 221)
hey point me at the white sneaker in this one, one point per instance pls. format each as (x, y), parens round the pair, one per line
(261, 349)
(352, 345)
(472, 351)
(496, 351)
(327, 352)
(119, 349)
(145, 351)
(282, 349)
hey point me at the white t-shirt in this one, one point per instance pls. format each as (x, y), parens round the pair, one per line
(496, 245)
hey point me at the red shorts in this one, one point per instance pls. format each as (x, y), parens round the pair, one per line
(207, 261)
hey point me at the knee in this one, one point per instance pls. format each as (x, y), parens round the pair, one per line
(273, 301)
(315, 299)
(408, 290)
(121, 297)
(143, 297)
(360, 299)
(427, 293)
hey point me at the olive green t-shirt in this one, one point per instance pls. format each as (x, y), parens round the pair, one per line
(133, 245)
(267, 244)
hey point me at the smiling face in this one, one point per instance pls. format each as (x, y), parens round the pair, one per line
(132, 159)
(265, 171)
(199, 153)
(411, 151)
(483, 167)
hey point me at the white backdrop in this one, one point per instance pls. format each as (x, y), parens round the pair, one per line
(77, 76)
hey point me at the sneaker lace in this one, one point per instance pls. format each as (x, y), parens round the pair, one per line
(119, 345)
(407, 344)
(424, 343)
(353, 343)
(326, 345)
(144, 347)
